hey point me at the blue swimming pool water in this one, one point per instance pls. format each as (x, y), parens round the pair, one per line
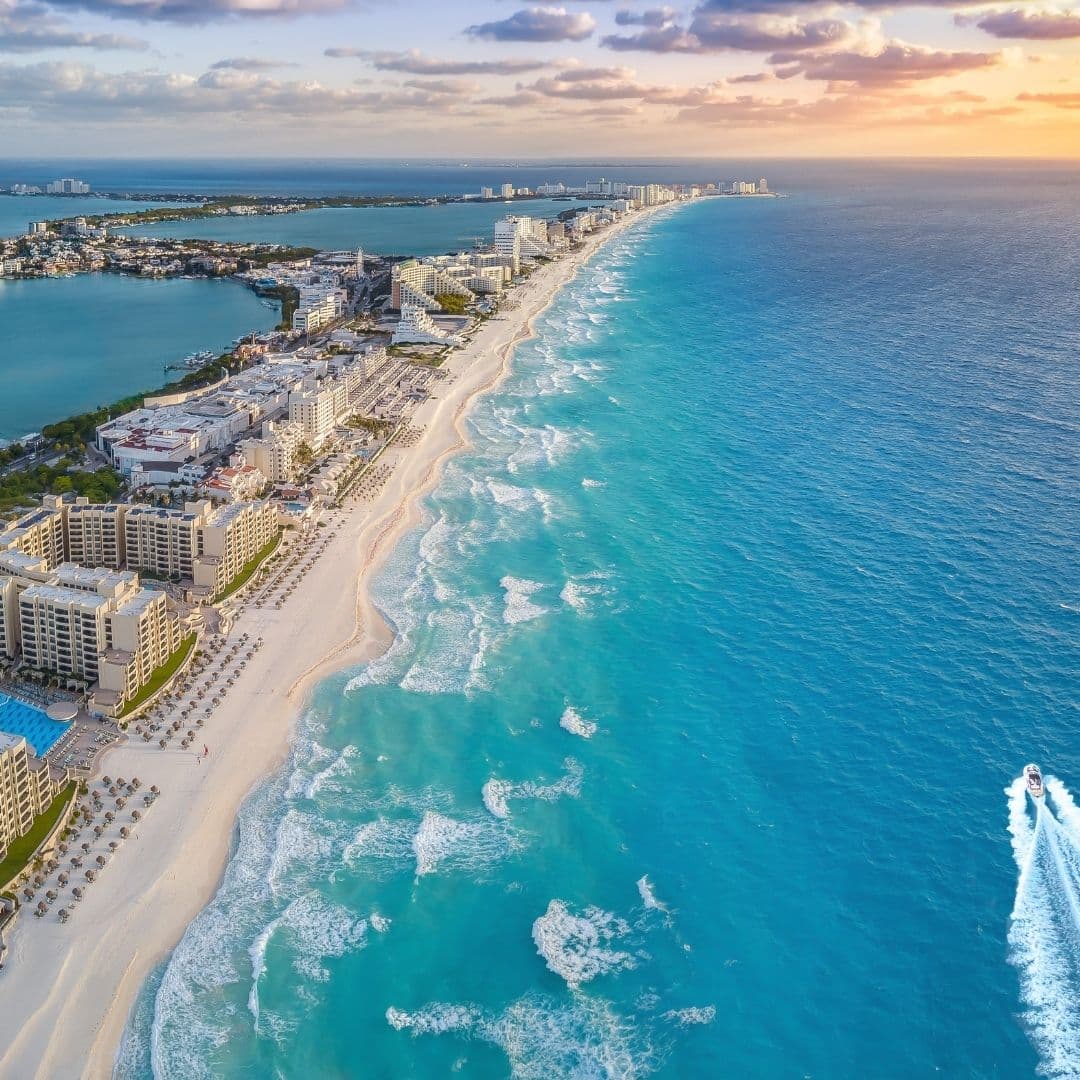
(18, 718)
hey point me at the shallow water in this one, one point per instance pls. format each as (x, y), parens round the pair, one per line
(714, 655)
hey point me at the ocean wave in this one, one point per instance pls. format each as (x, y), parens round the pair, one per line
(572, 721)
(648, 896)
(518, 605)
(582, 593)
(695, 1014)
(585, 1038)
(497, 794)
(436, 843)
(576, 947)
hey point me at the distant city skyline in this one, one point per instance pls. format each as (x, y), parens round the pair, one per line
(719, 78)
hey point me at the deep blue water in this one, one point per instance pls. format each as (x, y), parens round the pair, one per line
(715, 656)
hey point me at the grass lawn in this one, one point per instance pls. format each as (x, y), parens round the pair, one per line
(22, 851)
(162, 675)
(249, 568)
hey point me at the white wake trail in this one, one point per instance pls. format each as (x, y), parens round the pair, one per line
(1044, 934)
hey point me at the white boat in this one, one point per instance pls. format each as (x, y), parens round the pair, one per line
(1033, 779)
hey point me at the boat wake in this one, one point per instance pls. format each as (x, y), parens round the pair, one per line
(1044, 932)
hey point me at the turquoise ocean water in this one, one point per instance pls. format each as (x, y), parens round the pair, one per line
(715, 657)
(74, 343)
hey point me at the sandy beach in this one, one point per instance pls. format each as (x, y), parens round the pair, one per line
(67, 990)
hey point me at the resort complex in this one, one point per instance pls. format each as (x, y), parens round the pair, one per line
(126, 621)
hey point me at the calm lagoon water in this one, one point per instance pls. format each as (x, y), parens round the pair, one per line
(716, 654)
(73, 343)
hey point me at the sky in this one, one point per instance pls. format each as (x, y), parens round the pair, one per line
(483, 78)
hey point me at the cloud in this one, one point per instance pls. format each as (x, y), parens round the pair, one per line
(537, 24)
(28, 27)
(455, 87)
(714, 29)
(653, 17)
(897, 64)
(202, 11)
(589, 74)
(1058, 100)
(414, 62)
(872, 110)
(73, 92)
(1027, 24)
(250, 63)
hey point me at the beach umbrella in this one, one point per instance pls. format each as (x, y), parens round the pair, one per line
(119, 781)
(110, 817)
(101, 860)
(51, 895)
(64, 915)
(39, 880)
(86, 848)
(135, 815)
(113, 845)
(52, 864)
(63, 878)
(136, 783)
(163, 743)
(63, 849)
(29, 894)
(124, 833)
(77, 892)
(91, 875)
(154, 788)
(106, 780)
(41, 908)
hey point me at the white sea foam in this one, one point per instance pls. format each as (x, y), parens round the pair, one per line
(582, 593)
(497, 794)
(696, 1014)
(1044, 932)
(379, 923)
(436, 843)
(518, 606)
(648, 896)
(572, 721)
(589, 482)
(577, 947)
(584, 1039)
(337, 768)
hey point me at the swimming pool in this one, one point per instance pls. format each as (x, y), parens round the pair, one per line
(18, 718)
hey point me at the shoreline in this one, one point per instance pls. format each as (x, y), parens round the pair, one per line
(67, 991)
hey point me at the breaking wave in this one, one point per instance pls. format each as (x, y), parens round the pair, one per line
(577, 947)
(572, 721)
(583, 1038)
(497, 794)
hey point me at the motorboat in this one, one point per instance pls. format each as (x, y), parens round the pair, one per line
(1033, 779)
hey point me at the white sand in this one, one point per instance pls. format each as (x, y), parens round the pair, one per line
(67, 990)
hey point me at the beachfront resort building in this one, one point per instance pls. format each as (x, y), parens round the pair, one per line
(416, 326)
(97, 626)
(421, 282)
(27, 789)
(274, 452)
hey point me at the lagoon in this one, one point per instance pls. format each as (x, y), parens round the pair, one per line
(400, 230)
(72, 344)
